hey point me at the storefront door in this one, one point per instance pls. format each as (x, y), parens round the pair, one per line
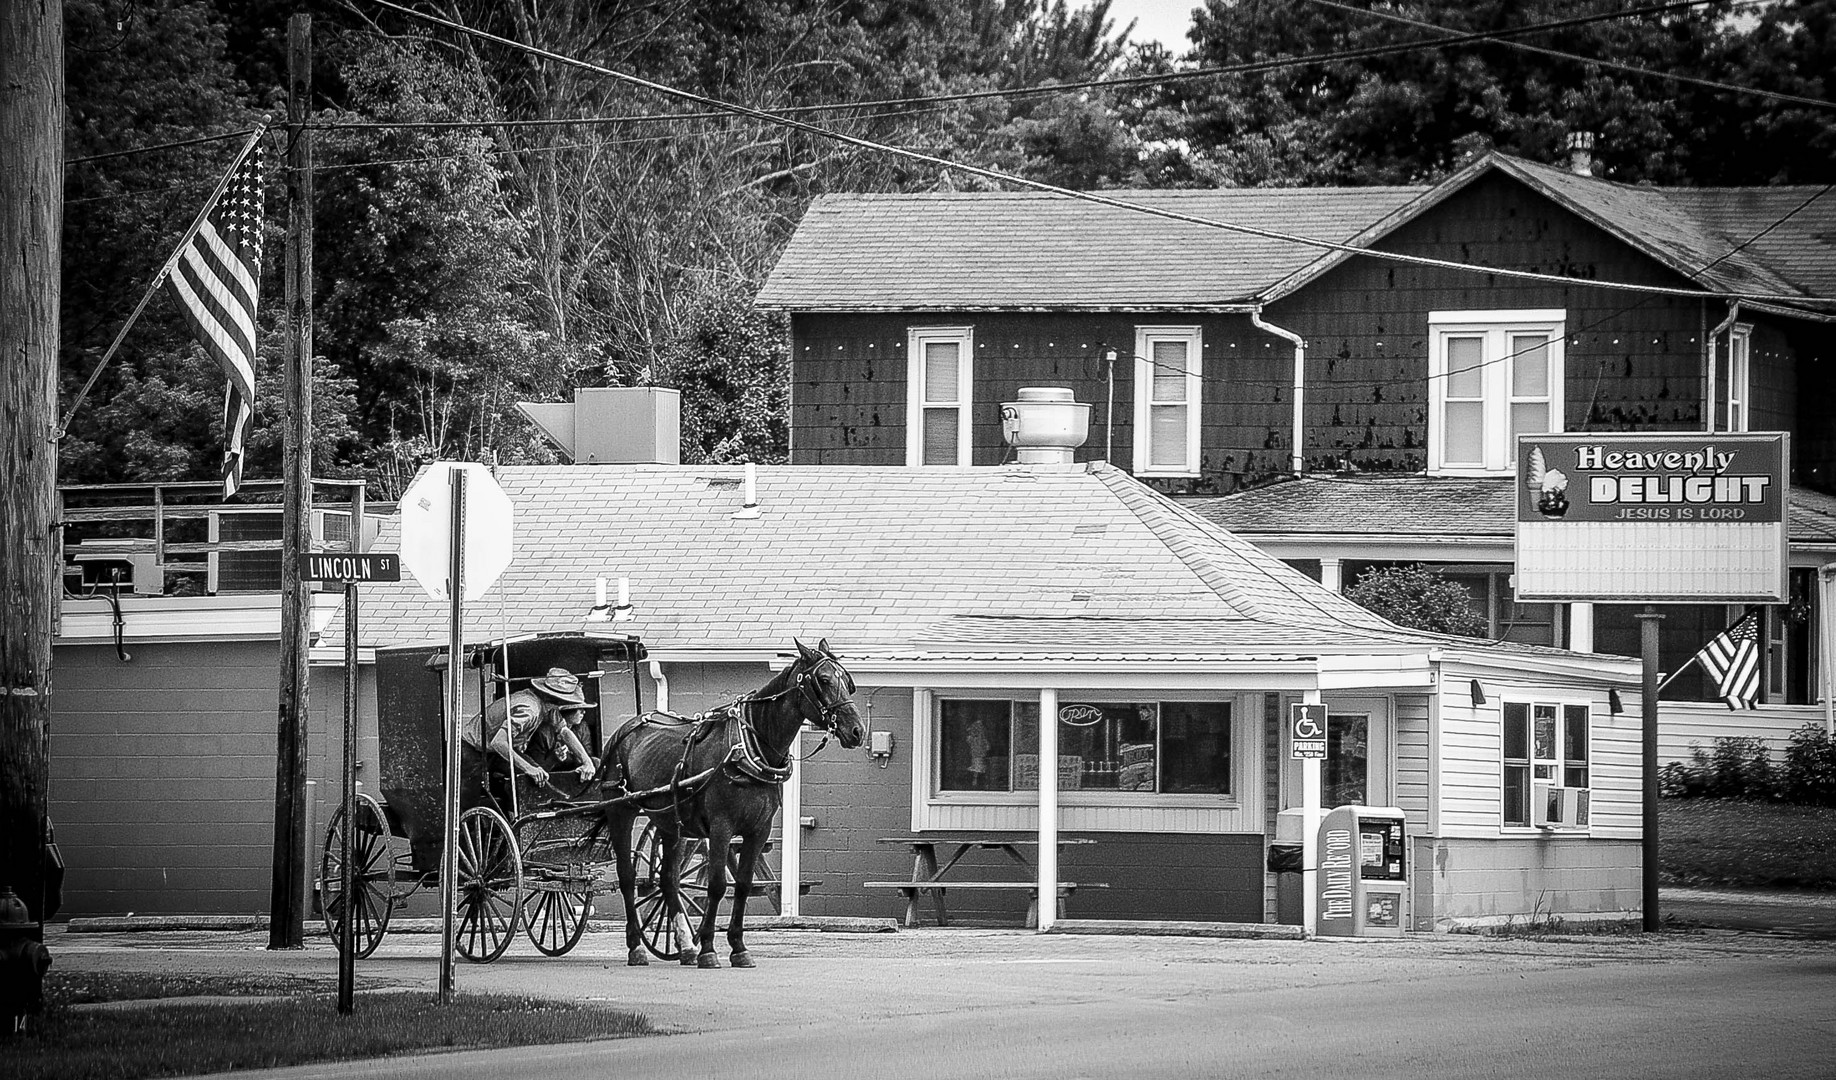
(1358, 752)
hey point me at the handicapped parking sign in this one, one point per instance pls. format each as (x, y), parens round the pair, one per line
(1307, 730)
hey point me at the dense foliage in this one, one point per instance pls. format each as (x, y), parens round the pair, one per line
(1741, 767)
(524, 252)
(1419, 598)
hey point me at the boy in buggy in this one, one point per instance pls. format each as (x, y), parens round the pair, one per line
(518, 730)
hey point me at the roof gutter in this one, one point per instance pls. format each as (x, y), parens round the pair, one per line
(1714, 336)
(1300, 381)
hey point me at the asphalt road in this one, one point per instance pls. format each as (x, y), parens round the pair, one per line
(929, 1004)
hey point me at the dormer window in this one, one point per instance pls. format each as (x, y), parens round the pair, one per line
(1492, 376)
(937, 414)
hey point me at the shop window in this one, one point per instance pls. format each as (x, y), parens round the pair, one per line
(1168, 380)
(1492, 376)
(1544, 743)
(1157, 747)
(937, 409)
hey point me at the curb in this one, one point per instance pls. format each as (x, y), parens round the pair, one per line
(139, 924)
(1129, 928)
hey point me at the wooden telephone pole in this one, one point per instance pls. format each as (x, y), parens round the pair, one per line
(287, 893)
(31, 219)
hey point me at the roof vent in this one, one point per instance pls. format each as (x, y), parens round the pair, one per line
(1045, 426)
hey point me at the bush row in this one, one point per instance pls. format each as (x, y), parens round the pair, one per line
(1740, 767)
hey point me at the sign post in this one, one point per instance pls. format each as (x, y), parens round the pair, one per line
(350, 568)
(456, 540)
(1677, 518)
(1307, 741)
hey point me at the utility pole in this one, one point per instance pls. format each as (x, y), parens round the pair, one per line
(31, 220)
(287, 894)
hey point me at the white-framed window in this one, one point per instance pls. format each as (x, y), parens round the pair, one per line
(1545, 742)
(1168, 380)
(1492, 376)
(941, 363)
(1740, 351)
(1106, 747)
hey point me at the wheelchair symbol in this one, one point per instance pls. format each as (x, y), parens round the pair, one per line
(1309, 721)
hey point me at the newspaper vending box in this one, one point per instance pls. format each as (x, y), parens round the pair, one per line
(1363, 872)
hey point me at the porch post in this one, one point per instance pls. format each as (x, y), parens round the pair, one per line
(1826, 642)
(1048, 808)
(1581, 627)
(1332, 574)
(790, 835)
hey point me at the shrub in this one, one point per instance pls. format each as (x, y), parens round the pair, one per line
(1738, 767)
(1809, 775)
(1420, 599)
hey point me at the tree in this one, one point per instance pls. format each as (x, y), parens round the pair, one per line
(1418, 598)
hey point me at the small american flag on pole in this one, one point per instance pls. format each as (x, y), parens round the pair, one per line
(216, 278)
(1732, 659)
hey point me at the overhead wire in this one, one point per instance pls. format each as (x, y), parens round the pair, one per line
(1597, 61)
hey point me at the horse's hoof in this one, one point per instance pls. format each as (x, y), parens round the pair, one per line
(685, 958)
(743, 960)
(707, 960)
(637, 959)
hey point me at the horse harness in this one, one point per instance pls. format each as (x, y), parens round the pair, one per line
(745, 762)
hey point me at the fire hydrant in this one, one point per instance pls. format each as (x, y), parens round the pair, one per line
(23, 962)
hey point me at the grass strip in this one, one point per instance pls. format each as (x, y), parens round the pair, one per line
(1735, 844)
(172, 1037)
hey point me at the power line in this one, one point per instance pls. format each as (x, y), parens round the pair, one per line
(1093, 197)
(1598, 61)
(237, 134)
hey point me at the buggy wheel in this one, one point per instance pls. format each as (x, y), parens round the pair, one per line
(372, 877)
(490, 885)
(554, 919)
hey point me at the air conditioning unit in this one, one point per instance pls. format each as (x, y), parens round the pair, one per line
(96, 561)
(1553, 807)
(260, 571)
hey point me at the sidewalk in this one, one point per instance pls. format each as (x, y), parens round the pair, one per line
(1794, 914)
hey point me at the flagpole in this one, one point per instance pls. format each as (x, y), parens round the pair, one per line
(146, 298)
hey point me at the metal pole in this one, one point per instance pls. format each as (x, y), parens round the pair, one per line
(347, 934)
(1048, 808)
(1648, 649)
(1310, 832)
(449, 856)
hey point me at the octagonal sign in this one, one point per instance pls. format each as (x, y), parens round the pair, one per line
(485, 534)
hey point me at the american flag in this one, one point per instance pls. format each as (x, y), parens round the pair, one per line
(1732, 659)
(216, 277)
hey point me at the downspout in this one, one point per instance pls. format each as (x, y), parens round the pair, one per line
(1714, 336)
(1300, 381)
(662, 681)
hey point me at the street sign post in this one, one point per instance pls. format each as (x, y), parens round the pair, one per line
(456, 540)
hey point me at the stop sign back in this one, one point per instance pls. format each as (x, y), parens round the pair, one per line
(427, 528)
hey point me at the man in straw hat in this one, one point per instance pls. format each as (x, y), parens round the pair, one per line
(552, 706)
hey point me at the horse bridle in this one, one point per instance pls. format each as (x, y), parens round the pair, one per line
(825, 710)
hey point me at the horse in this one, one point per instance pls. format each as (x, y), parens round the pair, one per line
(714, 777)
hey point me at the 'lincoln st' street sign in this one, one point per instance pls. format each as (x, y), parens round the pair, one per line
(350, 566)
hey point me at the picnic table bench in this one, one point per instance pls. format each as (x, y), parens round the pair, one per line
(929, 876)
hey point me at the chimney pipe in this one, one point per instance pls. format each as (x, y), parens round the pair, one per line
(1581, 153)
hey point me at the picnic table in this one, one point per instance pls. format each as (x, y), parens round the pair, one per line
(928, 875)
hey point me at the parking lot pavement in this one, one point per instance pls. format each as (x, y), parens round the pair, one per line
(927, 1003)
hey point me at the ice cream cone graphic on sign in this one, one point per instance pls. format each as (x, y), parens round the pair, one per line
(1550, 485)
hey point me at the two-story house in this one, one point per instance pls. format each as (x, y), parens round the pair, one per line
(1339, 374)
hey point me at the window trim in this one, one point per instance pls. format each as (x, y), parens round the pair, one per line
(1498, 456)
(916, 338)
(929, 781)
(1145, 337)
(1559, 764)
(1740, 377)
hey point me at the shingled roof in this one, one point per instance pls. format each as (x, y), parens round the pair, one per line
(1037, 251)
(1413, 507)
(865, 555)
